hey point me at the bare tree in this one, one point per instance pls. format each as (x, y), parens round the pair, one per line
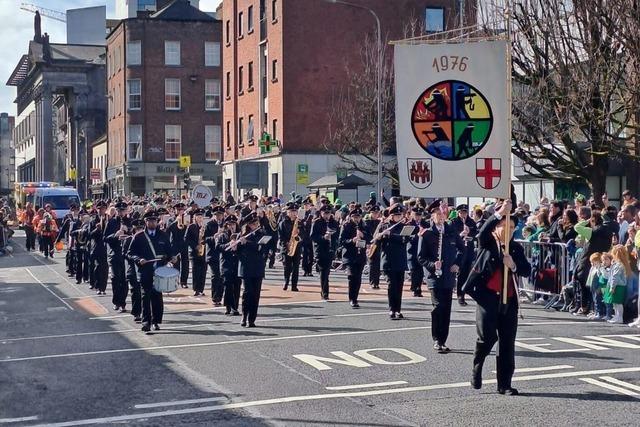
(571, 113)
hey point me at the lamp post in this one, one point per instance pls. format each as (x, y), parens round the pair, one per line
(378, 83)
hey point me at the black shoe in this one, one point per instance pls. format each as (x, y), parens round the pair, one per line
(462, 302)
(78, 282)
(244, 323)
(400, 316)
(217, 304)
(196, 294)
(251, 325)
(156, 327)
(294, 289)
(116, 308)
(444, 349)
(437, 347)
(509, 391)
(91, 287)
(146, 328)
(285, 287)
(235, 313)
(392, 315)
(137, 319)
(123, 309)
(227, 313)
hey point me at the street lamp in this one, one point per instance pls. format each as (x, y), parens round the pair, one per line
(378, 83)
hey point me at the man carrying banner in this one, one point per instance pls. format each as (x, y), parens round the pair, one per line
(496, 321)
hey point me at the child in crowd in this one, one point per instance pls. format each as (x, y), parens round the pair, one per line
(593, 281)
(615, 292)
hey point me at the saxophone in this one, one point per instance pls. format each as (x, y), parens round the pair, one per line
(200, 246)
(292, 246)
(272, 219)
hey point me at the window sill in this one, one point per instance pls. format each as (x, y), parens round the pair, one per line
(241, 93)
(274, 21)
(211, 110)
(228, 98)
(173, 65)
(134, 109)
(227, 44)
(251, 142)
(274, 80)
(250, 31)
(172, 109)
(240, 37)
(250, 89)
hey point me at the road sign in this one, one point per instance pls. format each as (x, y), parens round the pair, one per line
(95, 173)
(302, 174)
(185, 162)
(72, 173)
(202, 195)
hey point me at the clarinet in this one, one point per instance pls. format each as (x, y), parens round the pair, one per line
(440, 239)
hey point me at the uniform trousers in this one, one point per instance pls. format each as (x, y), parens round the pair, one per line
(31, 238)
(354, 278)
(324, 269)
(152, 304)
(199, 273)
(291, 269)
(417, 276)
(136, 295)
(183, 266)
(217, 289)
(251, 298)
(374, 269)
(394, 289)
(82, 264)
(496, 322)
(441, 314)
(100, 271)
(231, 291)
(47, 245)
(118, 282)
(307, 257)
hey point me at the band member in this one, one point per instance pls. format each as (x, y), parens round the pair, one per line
(307, 244)
(496, 322)
(98, 252)
(115, 233)
(467, 229)
(289, 230)
(213, 256)
(353, 239)
(269, 220)
(251, 267)
(80, 237)
(196, 241)
(132, 273)
(371, 226)
(177, 234)
(70, 222)
(48, 230)
(229, 265)
(393, 260)
(149, 250)
(26, 221)
(322, 231)
(417, 273)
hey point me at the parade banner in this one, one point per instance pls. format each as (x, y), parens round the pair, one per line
(201, 194)
(452, 119)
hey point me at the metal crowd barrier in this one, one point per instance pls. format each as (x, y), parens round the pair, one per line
(551, 267)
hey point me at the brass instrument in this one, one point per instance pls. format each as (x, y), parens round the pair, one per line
(200, 246)
(292, 246)
(271, 216)
(371, 250)
(180, 221)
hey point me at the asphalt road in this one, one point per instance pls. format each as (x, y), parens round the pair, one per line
(67, 359)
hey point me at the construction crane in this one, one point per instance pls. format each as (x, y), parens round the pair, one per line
(49, 13)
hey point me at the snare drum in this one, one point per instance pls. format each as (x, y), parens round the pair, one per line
(165, 279)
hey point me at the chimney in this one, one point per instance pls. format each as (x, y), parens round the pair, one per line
(37, 28)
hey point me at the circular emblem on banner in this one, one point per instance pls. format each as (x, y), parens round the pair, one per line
(452, 120)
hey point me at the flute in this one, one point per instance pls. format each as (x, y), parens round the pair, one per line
(234, 244)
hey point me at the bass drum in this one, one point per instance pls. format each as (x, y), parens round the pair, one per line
(166, 279)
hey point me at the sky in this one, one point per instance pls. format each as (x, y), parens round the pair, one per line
(16, 30)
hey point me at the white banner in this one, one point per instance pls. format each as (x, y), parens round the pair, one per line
(452, 119)
(202, 195)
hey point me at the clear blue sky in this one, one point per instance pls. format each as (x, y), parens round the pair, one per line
(17, 29)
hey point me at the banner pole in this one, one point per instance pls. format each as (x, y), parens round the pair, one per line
(507, 228)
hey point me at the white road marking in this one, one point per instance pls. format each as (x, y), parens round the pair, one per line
(289, 399)
(353, 387)
(621, 383)
(50, 291)
(17, 420)
(179, 402)
(541, 369)
(610, 387)
(253, 340)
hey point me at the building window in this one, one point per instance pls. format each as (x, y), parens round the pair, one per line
(240, 131)
(227, 91)
(134, 144)
(228, 25)
(434, 19)
(274, 129)
(228, 135)
(171, 53)
(274, 70)
(211, 54)
(172, 94)
(212, 143)
(172, 142)
(147, 5)
(240, 78)
(250, 19)
(110, 64)
(212, 95)
(110, 98)
(134, 53)
(117, 59)
(274, 10)
(250, 136)
(240, 25)
(134, 98)
(250, 76)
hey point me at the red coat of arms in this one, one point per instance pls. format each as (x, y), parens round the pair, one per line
(420, 172)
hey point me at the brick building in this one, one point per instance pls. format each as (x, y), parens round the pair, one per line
(283, 62)
(164, 89)
(7, 154)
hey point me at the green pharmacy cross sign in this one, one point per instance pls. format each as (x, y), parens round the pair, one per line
(266, 144)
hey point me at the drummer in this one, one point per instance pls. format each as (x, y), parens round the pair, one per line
(146, 247)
